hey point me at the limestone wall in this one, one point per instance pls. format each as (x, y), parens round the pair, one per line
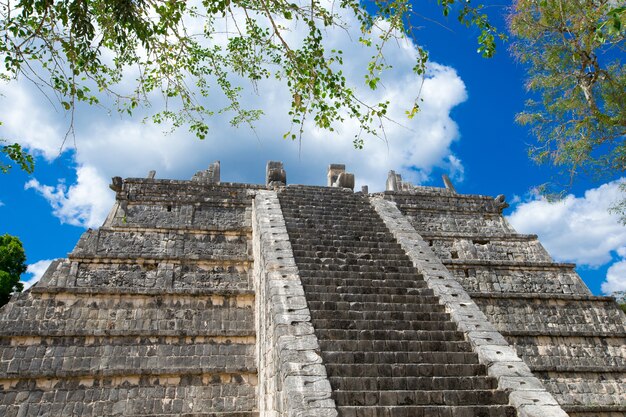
(548, 314)
(157, 275)
(552, 279)
(486, 249)
(153, 314)
(199, 216)
(155, 244)
(551, 353)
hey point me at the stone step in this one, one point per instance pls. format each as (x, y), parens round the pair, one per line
(321, 193)
(307, 267)
(347, 254)
(216, 414)
(374, 306)
(404, 370)
(400, 279)
(374, 325)
(336, 230)
(404, 398)
(368, 222)
(332, 228)
(338, 220)
(413, 383)
(422, 335)
(294, 204)
(321, 244)
(428, 411)
(369, 280)
(383, 264)
(313, 238)
(308, 203)
(381, 315)
(372, 298)
(351, 250)
(395, 346)
(397, 358)
(302, 205)
(353, 289)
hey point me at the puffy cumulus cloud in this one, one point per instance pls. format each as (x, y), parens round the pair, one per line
(28, 119)
(579, 229)
(111, 145)
(36, 271)
(616, 275)
(82, 204)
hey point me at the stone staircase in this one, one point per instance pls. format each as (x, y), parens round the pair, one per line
(573, 341)
(387, 344)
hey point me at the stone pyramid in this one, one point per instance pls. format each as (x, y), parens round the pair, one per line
(203, 298)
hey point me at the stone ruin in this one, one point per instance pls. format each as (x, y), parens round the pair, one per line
(206, 298)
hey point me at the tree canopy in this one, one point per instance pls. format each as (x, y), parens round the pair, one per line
(187, 52)
(75, 50)
(12, 265)
(575, 51)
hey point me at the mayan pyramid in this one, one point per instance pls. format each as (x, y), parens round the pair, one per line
(204, 298)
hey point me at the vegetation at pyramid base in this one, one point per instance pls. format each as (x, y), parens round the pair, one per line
(12, 265)
(575, 51)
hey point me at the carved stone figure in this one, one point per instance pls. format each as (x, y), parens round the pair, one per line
(275, 174)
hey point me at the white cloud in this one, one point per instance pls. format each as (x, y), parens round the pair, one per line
(616, 275)
(579, 229)
(36, 271)
(109, 146)
(1, 204)
(27, 118)
(82, 204)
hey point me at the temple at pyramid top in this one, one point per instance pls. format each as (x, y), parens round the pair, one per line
(209, 298)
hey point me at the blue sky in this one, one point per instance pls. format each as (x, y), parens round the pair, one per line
(466, 129)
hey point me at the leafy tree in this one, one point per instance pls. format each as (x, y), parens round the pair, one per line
(574, 50)
(14, 152)
(12, 265)
(77, 49)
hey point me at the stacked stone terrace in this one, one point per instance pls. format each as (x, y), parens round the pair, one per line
(202, 298)
(150, 315)
(573, 341)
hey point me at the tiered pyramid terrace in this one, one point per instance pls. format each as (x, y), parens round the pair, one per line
(203, 298)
